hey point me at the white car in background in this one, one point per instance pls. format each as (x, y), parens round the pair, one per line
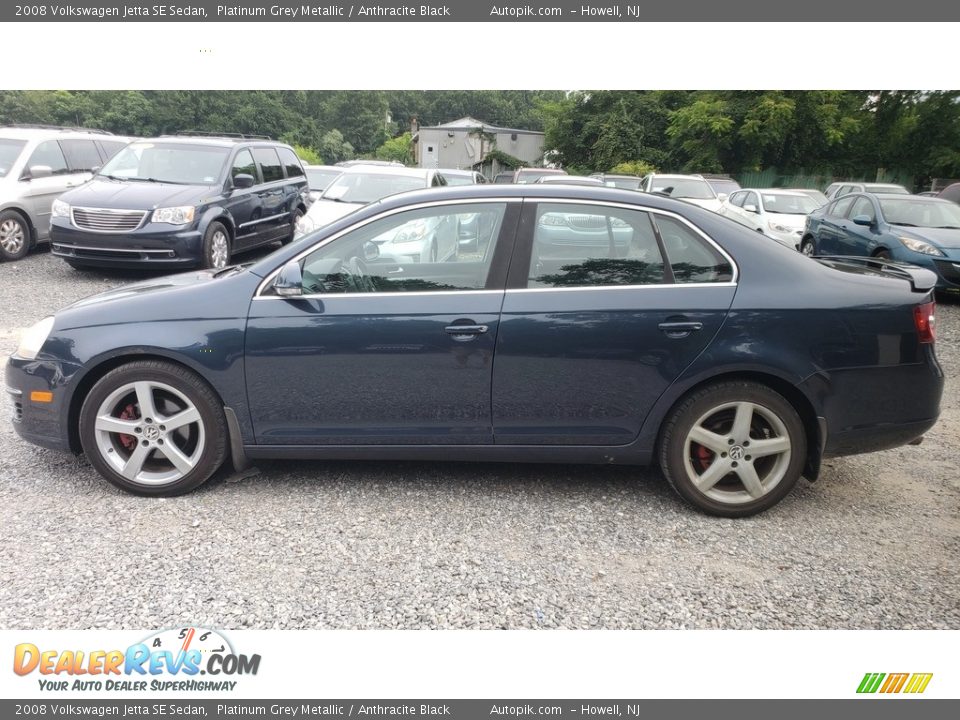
(362, 184)
(692, 188)
(778, 214)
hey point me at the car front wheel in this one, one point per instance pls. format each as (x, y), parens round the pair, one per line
(216, 247)
(14, 235)
(153, 428)
(733, 449)
(807, 247)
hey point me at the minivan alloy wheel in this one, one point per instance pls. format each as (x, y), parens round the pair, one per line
(219, 250)
(13, 238)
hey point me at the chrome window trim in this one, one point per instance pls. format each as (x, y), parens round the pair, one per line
(419, 206)
(264, 284)
(330, 296)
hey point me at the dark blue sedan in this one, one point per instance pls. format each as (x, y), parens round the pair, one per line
(669, 335)
(919, 230)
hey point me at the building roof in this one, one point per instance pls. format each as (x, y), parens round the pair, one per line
(470, 123)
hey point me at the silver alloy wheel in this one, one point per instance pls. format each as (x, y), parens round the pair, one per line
(807, 248)
(12, 236)
(219, 249)
(743, 450)
(149, 432)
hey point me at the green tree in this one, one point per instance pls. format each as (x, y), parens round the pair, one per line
(398, 149)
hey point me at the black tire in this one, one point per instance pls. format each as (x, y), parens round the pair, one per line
(773, 421)
(15, 236)
(203, 442)
(882, 254)
(216, 247)
(808, 248)
(297, 214)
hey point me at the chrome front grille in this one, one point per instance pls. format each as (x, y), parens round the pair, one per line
(107, 220)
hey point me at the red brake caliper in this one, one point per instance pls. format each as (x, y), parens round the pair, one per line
(704, 456)
(129, 413)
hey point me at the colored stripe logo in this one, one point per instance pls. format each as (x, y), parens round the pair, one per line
(913, 683)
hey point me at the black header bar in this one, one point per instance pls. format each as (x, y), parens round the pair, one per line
(733, 11)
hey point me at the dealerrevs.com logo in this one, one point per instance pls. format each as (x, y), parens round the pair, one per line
(171, 660)
(909, 683)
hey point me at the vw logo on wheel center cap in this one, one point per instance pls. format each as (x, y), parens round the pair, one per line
(151, 432)
(736, 453)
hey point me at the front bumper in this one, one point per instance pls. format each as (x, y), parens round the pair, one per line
(154, 245)
(40, 423)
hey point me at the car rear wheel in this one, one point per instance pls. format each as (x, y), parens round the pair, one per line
(14, 235)
(733, 449)
(807, 247)
(153, 428)
(216, 247)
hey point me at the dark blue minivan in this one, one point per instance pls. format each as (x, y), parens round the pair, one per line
(181, 202)
(580, 325)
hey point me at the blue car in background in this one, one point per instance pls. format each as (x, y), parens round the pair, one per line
(923, 231)
(595, 325)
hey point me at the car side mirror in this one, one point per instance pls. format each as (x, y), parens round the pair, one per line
(751, 208)
(289, 282)
(722, 196)
(95, 169)
(863, 220)
(39, 171)
(371, 251)
(243, 181)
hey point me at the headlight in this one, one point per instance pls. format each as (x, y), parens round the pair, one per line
(33, 339)
(415, 230)
(60, 209)
(174, 215)
(920, 246)
(305, 224)
(777, 227)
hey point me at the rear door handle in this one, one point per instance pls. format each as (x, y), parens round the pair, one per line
(680, 329)
(466, 330)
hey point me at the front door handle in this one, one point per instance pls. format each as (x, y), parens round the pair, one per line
(680, 329)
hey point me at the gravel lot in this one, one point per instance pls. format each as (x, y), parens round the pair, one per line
(873, 544)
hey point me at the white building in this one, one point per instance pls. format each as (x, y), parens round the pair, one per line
(467, 143)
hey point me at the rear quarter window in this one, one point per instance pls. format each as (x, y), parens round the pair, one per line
(692, 259)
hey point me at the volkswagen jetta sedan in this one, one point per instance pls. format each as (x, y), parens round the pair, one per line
(670, 343)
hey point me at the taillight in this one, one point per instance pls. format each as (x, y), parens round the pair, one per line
(924, 317)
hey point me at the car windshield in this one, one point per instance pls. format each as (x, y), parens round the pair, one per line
(320, 179)
(458, 179)
(368, 187)
(788, 204)
(625, 183)
(818, 197)
(683, 188)
(9, 151)
(168, 163)
(914, 212)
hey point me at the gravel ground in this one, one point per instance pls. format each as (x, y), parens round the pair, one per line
(872, 544)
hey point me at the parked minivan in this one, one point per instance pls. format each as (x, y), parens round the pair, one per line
(37, 164)
(186, 200)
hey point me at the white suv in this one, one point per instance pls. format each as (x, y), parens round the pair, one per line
(692, 188)
(37, 164)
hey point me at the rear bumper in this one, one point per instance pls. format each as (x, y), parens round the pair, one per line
(144, 247)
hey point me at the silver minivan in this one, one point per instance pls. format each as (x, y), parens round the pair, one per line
(37, 164)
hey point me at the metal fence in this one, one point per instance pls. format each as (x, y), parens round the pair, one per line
(771, 178)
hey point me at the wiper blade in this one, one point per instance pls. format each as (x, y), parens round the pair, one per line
(903, 224)
(948, 227)
(230, 269)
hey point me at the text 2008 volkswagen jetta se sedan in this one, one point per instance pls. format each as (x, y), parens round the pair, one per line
(584, 325)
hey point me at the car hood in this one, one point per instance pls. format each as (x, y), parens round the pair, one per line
(323, 212)
(708, 203)
(145, 287)
(948, 239)
(122, 195)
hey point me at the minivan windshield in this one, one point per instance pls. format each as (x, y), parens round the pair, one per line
(9, 152)
(168, 163)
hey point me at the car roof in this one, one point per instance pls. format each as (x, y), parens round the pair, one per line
(323, 167)
(387, 170)
(23, 133)
(779, 191)
(677, 175)
(457, 171)
(900, 196)
(212, 140)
